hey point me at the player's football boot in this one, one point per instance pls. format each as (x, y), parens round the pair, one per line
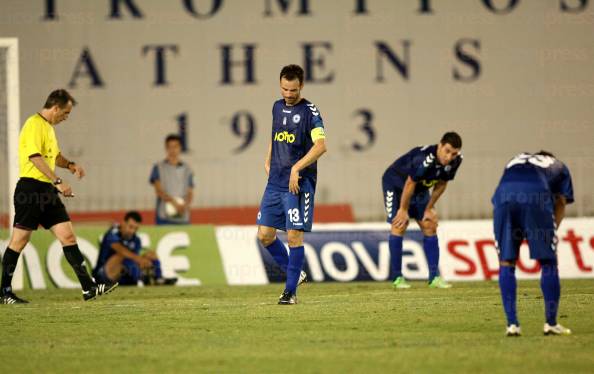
(400, 282)
(513, 330)
(302, 278)
(165, 281)
(439, 282)
(287, 298)
(98, 290)
(556, 330)
(106, 287)
(90, 294)
(10, 298)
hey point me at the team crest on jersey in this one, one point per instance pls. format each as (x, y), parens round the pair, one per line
(296, 118)
(448, 168)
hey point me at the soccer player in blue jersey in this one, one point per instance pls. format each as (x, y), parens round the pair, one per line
(406, 184)
(120, 259)
(529, 204)
(297, 142)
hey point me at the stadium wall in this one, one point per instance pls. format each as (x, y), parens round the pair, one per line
(510, 76)
(209, 255)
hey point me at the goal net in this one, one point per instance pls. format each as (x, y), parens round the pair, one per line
(9, 128)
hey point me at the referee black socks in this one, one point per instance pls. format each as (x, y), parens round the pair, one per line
(9, 263)
(77, 261)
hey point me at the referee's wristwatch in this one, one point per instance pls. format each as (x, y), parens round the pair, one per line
(57, 181)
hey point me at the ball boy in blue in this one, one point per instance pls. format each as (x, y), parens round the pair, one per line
(297, 142)
(529, 204)
(406, 185)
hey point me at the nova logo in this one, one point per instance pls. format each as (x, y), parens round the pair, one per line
(430, 183)
(284, 137)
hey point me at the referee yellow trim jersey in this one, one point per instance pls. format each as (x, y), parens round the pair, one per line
(37, 137)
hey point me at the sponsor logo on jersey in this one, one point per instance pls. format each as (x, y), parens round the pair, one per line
(284, 136)
(429, 183)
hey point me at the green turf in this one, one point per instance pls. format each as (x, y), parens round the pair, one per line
(357, 327)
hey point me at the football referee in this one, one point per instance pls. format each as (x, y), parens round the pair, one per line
(36, 199)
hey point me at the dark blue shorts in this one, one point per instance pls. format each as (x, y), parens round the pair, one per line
(286, 211)
(514, 222)
(131, 273)
(416, 208)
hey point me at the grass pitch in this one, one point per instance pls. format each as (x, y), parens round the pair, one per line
(356, 327)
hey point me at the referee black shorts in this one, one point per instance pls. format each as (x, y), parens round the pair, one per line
(37, 203)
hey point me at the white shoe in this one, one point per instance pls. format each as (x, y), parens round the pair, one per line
(513, 330)
(556, 330)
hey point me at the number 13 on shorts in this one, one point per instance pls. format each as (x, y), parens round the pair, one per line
(299, 210)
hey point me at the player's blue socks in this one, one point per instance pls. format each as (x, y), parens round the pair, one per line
(551, 289)
(395, 244)
(431, 248)
(508, 286)
(157, 269)
(296, 260)
(279, 254)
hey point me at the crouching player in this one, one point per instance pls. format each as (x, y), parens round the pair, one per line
(296, 143)
(406, 184)
(529, 203)
(120, 259)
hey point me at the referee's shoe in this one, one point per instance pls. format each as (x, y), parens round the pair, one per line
(98, 290)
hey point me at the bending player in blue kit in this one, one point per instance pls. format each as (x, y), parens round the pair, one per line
(297, 142)
(529, 203)
(406, 184)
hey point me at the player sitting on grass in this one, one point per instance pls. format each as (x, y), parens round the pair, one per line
(529, 203)
(120, 259)
(406, 184)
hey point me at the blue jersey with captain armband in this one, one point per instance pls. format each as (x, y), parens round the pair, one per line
(294, 131)
(421, 164)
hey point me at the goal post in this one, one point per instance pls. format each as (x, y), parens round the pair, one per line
(9, 127)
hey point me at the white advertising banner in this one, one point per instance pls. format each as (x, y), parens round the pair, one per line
(360, 252)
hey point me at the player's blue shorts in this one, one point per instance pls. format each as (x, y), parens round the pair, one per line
(131, 273)
(416, 208)
(513, 222)
(286, 211)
